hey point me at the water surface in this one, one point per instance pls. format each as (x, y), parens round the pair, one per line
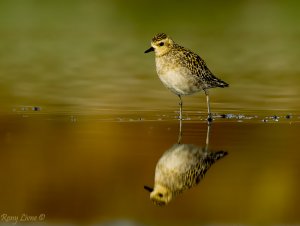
(90, 170)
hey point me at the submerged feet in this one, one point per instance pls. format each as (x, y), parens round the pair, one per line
(209, 118)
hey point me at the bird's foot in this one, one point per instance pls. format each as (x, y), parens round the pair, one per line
(209, 118)
(179, 117)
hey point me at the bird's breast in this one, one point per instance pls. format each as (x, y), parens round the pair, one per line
(176, 77)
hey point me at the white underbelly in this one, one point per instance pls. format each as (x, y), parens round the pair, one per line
(178, 83)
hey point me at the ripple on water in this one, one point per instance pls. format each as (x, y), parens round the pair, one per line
(156, 115)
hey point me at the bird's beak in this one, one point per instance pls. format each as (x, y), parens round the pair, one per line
(149, 50)
(148, 188)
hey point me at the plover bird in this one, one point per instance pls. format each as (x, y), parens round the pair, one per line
(181, 70)
(180, 168)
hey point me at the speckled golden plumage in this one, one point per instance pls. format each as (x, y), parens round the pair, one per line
(181, 70)
(180, 168)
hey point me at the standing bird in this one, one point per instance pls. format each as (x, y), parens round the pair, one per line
(181, 70)
(180, 168)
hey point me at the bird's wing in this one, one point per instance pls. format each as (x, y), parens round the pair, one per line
(199, 68)
(197, 172)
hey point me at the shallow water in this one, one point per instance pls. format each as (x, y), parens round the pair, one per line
(86, 169)
(84, 118)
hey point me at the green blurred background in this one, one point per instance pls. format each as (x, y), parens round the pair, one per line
(89, 54)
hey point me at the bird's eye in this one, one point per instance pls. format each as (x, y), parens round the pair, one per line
(160, 195)
(161, 44)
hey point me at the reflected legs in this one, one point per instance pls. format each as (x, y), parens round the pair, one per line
(207, 137)
(180, 132)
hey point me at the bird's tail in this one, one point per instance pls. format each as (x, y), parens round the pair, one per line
(222, 84)
(216, 82)
(219, 154)
(212, 157)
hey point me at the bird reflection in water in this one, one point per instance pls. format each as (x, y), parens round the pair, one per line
(180, 168)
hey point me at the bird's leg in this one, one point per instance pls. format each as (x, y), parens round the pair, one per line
(180, 110)
(209, 117)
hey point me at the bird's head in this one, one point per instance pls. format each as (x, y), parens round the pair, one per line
(160, 195)
(160, 44)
